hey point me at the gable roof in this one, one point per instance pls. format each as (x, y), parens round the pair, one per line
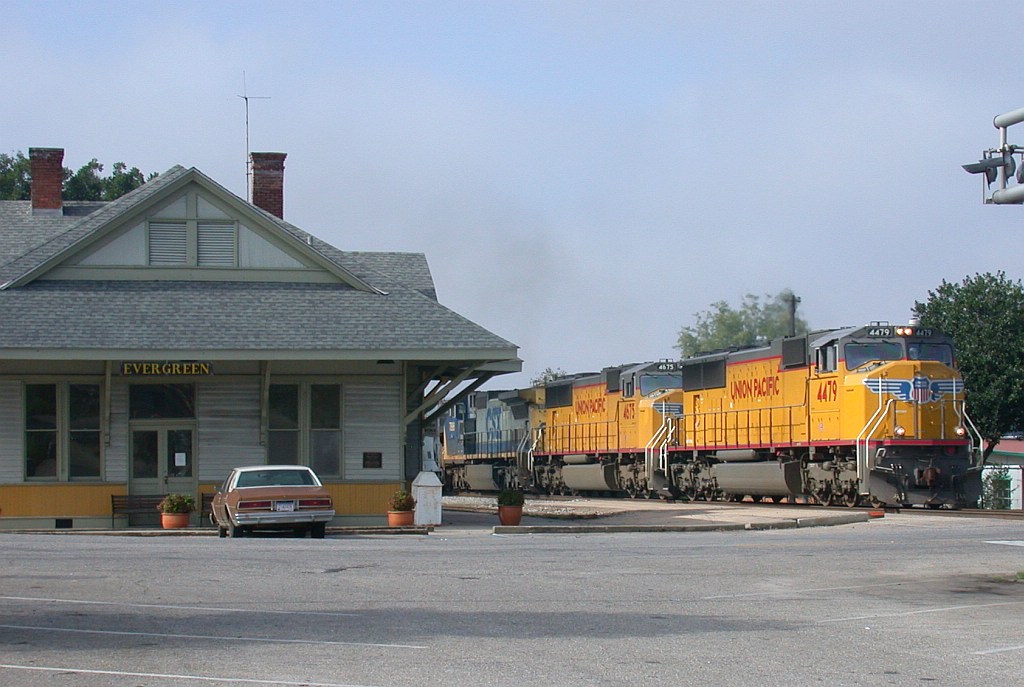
(42, 257)
(383, 305)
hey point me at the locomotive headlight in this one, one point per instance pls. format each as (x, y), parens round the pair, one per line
(900, 431)
(904, 331)
(961, 431)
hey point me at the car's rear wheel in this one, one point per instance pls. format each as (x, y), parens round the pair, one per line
(299, 532)
(234, 530)
(318, 530)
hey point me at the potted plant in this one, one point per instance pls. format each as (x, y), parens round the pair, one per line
(400, 509)
(510, 506)
(175, 510)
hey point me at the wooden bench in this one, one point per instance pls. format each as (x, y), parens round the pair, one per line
(206, 509)
(125, 504)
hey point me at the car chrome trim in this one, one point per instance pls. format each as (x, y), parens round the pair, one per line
(283, 517)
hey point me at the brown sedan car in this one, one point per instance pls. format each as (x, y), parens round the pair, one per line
(272, 497)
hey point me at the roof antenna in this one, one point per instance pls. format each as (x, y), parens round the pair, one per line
(248, 161)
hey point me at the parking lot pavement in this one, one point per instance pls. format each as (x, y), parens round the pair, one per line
(904, 600)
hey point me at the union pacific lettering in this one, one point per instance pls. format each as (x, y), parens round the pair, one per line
(590, 406)
(759, 387)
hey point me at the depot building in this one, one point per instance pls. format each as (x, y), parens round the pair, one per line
(154, 342)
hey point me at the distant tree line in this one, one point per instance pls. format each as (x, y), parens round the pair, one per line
(87, 183)
(754, 322)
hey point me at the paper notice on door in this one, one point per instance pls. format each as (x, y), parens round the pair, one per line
(180, 460)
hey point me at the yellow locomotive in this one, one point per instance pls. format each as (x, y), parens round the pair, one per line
(871, 415)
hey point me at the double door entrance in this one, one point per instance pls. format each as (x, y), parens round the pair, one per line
(163, 460)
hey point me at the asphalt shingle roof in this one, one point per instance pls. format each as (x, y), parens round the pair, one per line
(402, 314)
(210, 316)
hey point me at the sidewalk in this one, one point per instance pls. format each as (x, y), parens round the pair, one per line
(629, 515)
(475, 514)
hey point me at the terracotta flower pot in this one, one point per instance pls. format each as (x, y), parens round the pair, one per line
(401, 518)
(174, 521)
(510, 515)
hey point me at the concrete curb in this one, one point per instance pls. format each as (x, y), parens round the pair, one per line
(210, 532)
(781, 524)
(816, 521)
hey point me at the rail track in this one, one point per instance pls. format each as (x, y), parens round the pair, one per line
(1011, 514)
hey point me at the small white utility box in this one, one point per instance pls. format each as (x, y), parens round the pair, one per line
(426, 489)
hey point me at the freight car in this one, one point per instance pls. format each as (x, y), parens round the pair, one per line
(864, 415)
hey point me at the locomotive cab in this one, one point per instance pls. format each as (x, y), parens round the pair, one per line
(895, 391)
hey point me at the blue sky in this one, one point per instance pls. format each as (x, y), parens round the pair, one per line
(582, 176)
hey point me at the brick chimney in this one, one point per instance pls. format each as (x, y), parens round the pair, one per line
(45, 166)
(268, 182)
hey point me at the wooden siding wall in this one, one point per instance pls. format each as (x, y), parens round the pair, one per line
(228, 419)
(229, 427)
(115, 454)
(12, 439)
(372, 423)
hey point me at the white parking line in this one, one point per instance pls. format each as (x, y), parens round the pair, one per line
(173, 607)
(796, 592)
(171, 676)
(1007, 543)
(905, 614)
(268, 640)
(999, 651)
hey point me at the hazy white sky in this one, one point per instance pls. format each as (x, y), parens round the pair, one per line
(582, 176)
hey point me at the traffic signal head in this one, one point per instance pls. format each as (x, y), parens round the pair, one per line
(989, 166)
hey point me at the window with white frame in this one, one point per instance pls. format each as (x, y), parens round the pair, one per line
(304, 426)
(62, 432)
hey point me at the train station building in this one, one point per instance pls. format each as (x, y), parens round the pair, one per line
(151, 343)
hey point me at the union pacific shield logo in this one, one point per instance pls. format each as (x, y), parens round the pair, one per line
(920, 389)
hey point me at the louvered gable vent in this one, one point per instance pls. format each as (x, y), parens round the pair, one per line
(216, 245)
(167, 243)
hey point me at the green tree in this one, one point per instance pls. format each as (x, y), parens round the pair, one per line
(996, 488)
(122, 180)
(85, 184)
(15, 177)
(985, 316)
(549, 374)
(754, 322)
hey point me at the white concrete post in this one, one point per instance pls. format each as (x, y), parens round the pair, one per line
(426, 489)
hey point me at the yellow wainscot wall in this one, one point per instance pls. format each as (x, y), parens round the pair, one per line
(57, 500)
(48, 506)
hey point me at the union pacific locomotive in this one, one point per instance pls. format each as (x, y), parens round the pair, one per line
(865, 415)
